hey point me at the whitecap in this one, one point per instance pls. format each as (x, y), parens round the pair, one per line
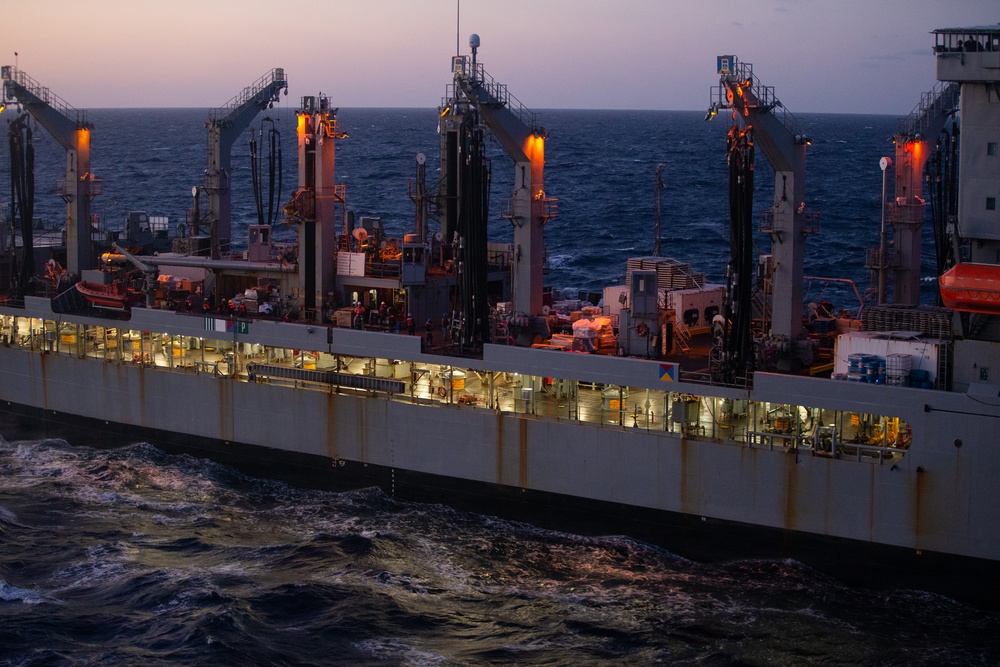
(10, 593)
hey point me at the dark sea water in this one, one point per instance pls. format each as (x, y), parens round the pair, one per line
(134, 557)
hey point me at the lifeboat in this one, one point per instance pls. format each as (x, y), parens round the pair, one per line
(972, 288)
(103, 296)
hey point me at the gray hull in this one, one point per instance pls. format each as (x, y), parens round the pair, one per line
(936, 503)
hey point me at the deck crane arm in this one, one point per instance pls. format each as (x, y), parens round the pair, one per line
(776, 134)
(149, 273)
(70, 128)
(520, 136)
(225, 125)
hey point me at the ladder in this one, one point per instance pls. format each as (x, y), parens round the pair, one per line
(682, 337)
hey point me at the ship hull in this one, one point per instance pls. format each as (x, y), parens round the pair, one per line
(704, 539)
(928, 520)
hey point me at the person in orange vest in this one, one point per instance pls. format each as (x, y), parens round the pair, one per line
(411, 326)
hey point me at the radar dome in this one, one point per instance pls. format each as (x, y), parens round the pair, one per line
(473, 41)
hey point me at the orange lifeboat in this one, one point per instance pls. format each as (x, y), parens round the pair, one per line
(103, 296)
(972, 288)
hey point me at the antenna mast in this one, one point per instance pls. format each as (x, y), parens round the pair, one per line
(659, 190)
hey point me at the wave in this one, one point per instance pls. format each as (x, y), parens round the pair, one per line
(9, 593)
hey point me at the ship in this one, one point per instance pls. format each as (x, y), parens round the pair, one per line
(721, 421)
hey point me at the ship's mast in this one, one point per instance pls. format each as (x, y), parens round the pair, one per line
(318, 204)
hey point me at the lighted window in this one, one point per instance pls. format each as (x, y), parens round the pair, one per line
(991, 148)
(991, 203)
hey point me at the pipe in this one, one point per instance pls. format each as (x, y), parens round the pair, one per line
(208, 263)
(883, 243)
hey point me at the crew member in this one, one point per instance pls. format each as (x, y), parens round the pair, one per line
(359, 316)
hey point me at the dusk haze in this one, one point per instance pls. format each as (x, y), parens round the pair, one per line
(851, 56)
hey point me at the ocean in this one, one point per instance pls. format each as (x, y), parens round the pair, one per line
(133, 556)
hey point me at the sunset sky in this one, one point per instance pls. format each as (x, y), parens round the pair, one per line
(852, 56)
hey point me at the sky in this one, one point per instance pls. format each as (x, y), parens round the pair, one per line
(843, 56)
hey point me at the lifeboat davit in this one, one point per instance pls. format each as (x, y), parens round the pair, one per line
(103, 296)
(972, 288)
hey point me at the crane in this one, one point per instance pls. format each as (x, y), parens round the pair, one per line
(70, 128)
(225, 125)
(914, 145)
(784, 147)
(523, 140)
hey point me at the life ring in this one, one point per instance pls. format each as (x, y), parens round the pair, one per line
(442, 392)
(641, 329)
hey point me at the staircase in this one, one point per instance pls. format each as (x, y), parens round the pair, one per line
(934, 104)
(682, 337)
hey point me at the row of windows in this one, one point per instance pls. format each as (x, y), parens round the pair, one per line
(825, 432)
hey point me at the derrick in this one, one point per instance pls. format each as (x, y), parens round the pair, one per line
(70, 128)
(225, 125)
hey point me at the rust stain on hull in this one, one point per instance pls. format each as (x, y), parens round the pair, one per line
(791, 489)
(919, 490)
(522, 471)
(499, 447)
(45, 383)
(332, 450)
(685, 501)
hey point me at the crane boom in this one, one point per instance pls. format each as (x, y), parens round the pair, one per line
(70, 128)
(225, 125)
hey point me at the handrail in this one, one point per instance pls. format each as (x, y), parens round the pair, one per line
(19, 77)
(274, 77)
(497, 91)
(944, 95)
(743, 72)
